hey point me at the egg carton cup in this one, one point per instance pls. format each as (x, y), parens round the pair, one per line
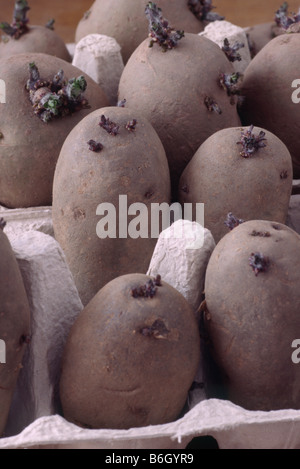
(23, 220)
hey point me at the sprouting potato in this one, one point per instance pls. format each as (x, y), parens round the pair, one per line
(244, 171)
(14, 325)
(270, 83)
(45, 98)
(252, 292)
(183, 83)
(131, 356)
(20, 37)
(112, 152)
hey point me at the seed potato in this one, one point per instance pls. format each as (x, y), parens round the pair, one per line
(226, 177)
(14, 325)
(179, 92)
(130, 359)
(131, 164)
(252, 292)
(29, 147)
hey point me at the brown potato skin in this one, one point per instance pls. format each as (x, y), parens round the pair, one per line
(30, 148)
(267, 88)
(125, 20)
(254, 188)
(170, 89)
(14, 325)
(38, 39)
(113, 375)
(251, 320)
(261, 34)
(132, 164)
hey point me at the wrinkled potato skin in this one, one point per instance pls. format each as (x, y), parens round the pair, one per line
(38, 39)
(14, 324)
(113, 376)
(132, 164)
(30, 148)
(267, 88)
(251, 188)
(171, 90)
(125, 20)
(252, 321)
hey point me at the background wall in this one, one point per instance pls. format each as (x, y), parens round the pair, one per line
(67, 13)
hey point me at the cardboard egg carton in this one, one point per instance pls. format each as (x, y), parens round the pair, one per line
(231, 426)
(35, 420)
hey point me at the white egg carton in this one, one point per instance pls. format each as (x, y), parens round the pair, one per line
(232, 427)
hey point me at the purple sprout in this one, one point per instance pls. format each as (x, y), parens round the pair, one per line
(202, 9)
(231, 52)
(50, 24)
(232, 222)
(19, 26)
(121, 103)
(212, 106)
(251, 143)
(230, 83)
(281, 13)
(131, 125)
(149, 290)
(111, 127)
(283, 20)
(259, 263)
(55, 98)
(284, 174)
(87, 14)
(160, 31)
(58, 81)
(95, 146)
